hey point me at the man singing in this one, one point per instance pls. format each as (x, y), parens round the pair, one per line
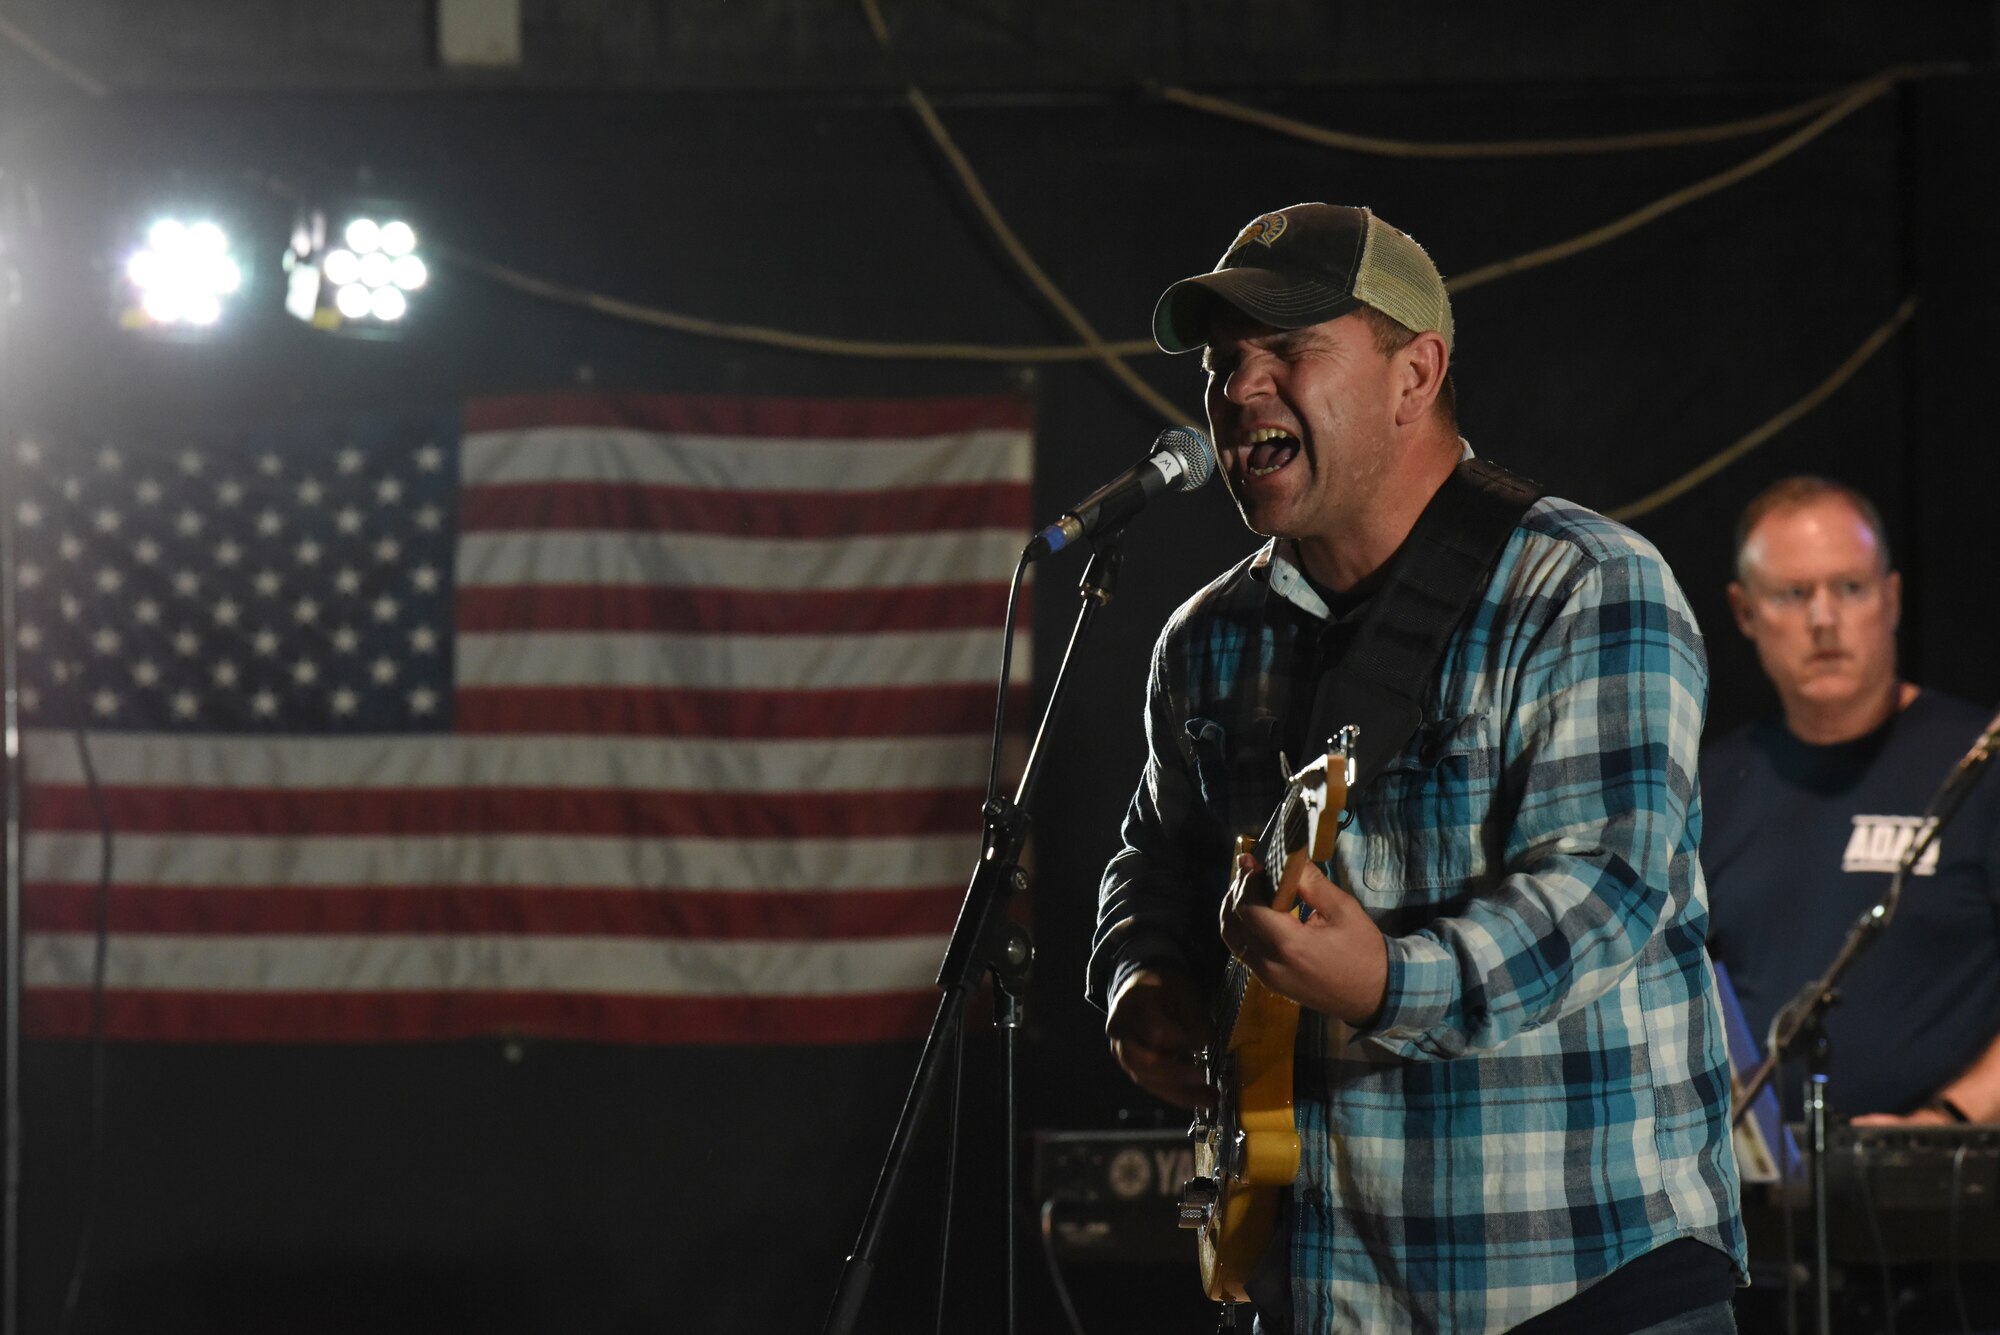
(1511, 1087)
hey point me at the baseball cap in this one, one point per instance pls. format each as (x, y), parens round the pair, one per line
(1306, 264)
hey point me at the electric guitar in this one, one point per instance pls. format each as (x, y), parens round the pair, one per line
(1246, 1152)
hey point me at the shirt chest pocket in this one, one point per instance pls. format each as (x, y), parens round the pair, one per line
(1420, 825)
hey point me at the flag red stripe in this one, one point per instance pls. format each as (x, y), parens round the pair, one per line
(638, 508)
(919, 711)
(832, 420)
(582, 812)
(374, 1017)
(730, 611)
(229, 910)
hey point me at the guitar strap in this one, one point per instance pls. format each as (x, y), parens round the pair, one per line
(1380, 683)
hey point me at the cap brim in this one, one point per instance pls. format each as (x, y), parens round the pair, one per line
(1283, 301)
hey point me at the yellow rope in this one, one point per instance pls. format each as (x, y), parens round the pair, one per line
(1837, 106)
(1860, 96)
(1094, 348)
(777, 338)
(1494, 148)
(875, 23)
(1699, 474)
(1026, 263)
(51, 61)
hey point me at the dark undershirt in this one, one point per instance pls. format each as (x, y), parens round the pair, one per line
(1322, 648)
(1343, 606)
(1676, 1277)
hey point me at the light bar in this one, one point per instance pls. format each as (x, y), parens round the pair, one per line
(181, 279)
(357, 277)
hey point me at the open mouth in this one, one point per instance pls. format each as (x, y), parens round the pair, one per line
(1269, 449)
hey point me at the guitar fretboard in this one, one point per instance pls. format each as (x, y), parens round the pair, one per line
(1288, 830)
(1321, 787)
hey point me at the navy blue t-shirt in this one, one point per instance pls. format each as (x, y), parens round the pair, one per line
(1800, 840)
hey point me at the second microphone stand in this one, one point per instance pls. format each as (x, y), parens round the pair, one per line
(1800, 1026)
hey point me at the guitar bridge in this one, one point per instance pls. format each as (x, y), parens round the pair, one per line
(1199, 1196)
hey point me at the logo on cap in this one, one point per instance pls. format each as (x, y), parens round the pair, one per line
(1265, 230)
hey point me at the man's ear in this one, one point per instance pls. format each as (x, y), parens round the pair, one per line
(1739, 607)
(1892, 591)
(1423, 360)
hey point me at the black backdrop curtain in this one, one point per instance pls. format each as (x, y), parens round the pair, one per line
(508, 1186)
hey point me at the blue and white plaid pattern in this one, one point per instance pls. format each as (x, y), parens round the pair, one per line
(1545, 1094)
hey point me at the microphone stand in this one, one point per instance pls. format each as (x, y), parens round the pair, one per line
(984, 940)
(10, 929)
(1801, 1023)
(12, 781)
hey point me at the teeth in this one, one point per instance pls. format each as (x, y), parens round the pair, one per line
(1264, 435)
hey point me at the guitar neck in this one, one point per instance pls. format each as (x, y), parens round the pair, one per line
(1297, 828)
(1284, 836)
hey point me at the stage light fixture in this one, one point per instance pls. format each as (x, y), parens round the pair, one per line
(355, 272)
(181, 279)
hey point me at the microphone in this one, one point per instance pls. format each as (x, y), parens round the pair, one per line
(1181, 459)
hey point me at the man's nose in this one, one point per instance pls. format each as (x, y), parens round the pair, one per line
(1821, 611)
(1246, 380)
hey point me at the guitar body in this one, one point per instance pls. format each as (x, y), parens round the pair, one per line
(1252, 1148)
(1247, 1152)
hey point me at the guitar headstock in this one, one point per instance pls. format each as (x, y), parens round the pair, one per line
(1308, 818)
(1321, 789)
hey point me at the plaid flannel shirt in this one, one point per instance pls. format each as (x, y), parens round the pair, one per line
(1545, 1093)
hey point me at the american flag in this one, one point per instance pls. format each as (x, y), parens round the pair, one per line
(616, 717)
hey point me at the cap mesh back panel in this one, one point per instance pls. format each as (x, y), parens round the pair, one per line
(1398, 279)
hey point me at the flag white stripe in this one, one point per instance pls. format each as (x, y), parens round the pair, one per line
(593, 862)
(525, 761)
(750, 564)
(593, 965)
(735, 662)
(599, 454)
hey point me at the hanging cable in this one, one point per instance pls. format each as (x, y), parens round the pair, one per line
(780, 338)
(1003, 232)
(1860, 97)
(1527, 148)
(1832, 108)
(1825, 390)
(1114, 353)
(1113, 361)
(52, 62)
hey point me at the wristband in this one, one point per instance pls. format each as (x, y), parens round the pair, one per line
(1948, 1108)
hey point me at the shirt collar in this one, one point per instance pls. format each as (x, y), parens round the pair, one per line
(1277, 564)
